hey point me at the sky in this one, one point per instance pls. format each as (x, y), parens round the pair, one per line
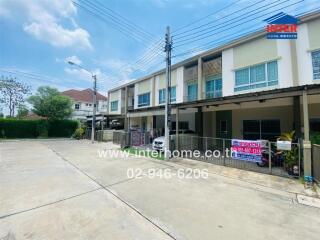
(39, 37)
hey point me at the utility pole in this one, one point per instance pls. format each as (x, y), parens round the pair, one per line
(94, 107)
(94, 98)
(168, 47)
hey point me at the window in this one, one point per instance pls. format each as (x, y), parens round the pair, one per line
(214, 88)
(162, 95)
(193, 92)
(173, 97)
(258, 76)
(316, 65)
(114, 106)
(144, 100)
(77, 106)
(261, 129)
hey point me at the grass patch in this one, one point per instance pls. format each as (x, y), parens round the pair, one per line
(145, 153)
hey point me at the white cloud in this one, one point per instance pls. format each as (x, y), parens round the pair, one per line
(73, 59)
(43, 20)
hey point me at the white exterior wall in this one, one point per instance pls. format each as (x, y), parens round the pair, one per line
(86, 109)
(157, 88)
(227, 73)
(115, 96)
(304, 56)
(180, 85)
(285, 71)
(136, 90)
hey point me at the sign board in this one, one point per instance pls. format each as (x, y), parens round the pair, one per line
(284, 145)
(282, 26)
(246, 150)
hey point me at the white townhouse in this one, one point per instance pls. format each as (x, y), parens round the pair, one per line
(250, 88)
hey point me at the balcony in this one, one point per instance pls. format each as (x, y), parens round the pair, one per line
(212, 94)
(190, 98)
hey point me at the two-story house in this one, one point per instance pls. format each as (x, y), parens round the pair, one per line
(250, 88)
(83, 103)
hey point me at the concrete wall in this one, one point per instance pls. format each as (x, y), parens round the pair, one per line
(254, 52)
(314, 34)
(209, 124)
(304, 56)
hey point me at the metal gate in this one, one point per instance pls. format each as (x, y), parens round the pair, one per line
(287, 163)
(316, 162)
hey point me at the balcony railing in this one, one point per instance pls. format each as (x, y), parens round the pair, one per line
(190, 98)
(212, 94)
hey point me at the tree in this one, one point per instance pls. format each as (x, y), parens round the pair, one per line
(22, 111)
(48, 102)
(12, 93)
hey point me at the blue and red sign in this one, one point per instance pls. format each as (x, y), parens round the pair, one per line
(282, 26)
(246, 150)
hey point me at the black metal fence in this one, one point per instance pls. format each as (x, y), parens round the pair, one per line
(135, 138)
(316, 162)
(286, 163)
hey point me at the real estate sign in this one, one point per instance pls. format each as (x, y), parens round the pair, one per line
(246, 150)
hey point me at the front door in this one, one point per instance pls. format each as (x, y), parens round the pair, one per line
(224, 124)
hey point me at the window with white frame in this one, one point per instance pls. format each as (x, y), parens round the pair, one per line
(144, 100)
(258, 76)
(114, 106)
(162, 95)
(77, 106)
(316, 64)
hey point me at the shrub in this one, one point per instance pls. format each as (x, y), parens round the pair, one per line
(78, 134)
(315, 138)
(62, 128)
(14, 128)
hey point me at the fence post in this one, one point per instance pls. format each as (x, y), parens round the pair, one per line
(299, 150)
(206, 148)
(270, 164)
(224, 151)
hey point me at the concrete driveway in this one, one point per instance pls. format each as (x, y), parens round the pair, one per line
(63, 190)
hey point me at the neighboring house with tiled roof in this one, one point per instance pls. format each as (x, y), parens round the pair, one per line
(82, 103)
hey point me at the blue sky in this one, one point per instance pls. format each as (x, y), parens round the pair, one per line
(39, 36)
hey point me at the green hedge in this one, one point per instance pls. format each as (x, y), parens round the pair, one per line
(14, 128)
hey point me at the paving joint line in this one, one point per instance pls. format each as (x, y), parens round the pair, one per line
(112, 193)
(48, 204)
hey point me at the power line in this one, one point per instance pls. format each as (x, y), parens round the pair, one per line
(206, 24)
(202, 36)
(235, 20)
(205, 17)
(119, 27)
(126, 20)
(211, 44)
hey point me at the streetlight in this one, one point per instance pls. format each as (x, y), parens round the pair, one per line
(94, 77)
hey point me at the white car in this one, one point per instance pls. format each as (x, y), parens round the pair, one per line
(159, 142)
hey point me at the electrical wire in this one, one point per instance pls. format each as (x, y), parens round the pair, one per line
(201, 37)
(221, 18)
(234, 36)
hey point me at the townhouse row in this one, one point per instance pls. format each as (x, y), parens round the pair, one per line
(251, 88)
